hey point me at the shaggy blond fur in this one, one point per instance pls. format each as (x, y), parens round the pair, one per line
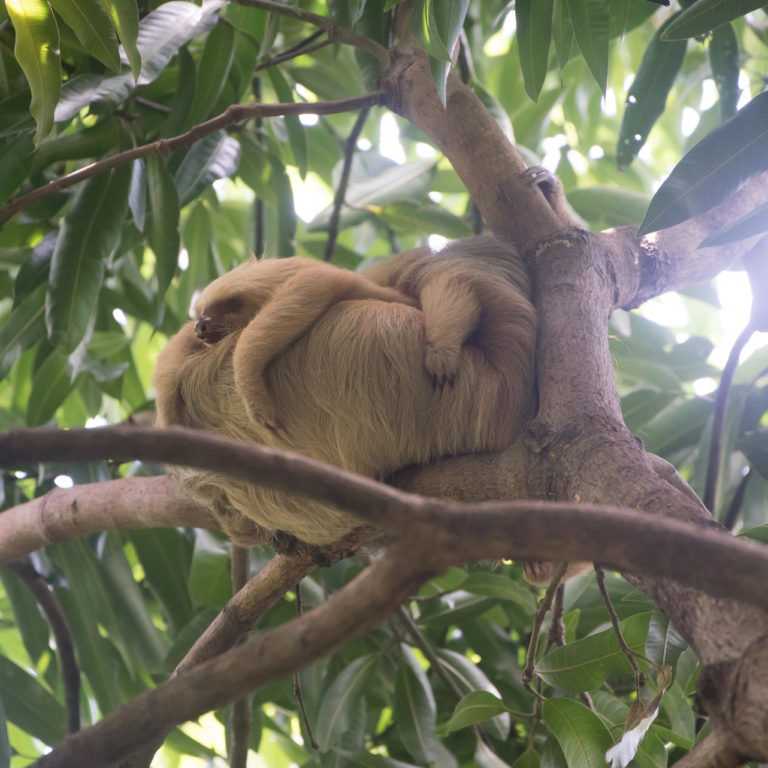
(359, 388)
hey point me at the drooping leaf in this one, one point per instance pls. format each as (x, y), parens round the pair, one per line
(212, 72)
(212, 158)
(21, 329)
(15, 164)
(731, 154)
(296, 134)
(210, 583)
(647, 96)
(29, 705)
(89, 233)
(475, 707)
(579, 731)
(92, 25)
(705, 15)
(163, 224)
(341, 700)
(591, 28)
(534, 33)
(502, 588)
(125, 17)
(51, 384)
(37, 52)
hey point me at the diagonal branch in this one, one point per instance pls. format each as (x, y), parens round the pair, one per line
(237, 113)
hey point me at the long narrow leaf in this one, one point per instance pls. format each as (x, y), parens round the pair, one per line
(591, 25)
(705, 15)
(534, 33)
(37, 51)
(732, 153)
(125, 17)
(93, 27)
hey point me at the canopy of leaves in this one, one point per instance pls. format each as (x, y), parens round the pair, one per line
(94, 277)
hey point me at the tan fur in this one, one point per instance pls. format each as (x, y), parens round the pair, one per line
(353, 386)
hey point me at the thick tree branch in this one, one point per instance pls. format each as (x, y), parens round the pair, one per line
(122, 505)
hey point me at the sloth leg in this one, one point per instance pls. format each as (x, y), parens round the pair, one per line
(451, 312)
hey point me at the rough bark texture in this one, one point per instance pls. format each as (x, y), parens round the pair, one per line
(579, 447)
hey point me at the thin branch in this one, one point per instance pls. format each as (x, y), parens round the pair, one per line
(240, 715)
(245, 608)
(297, 680)
(299, 49)
(538, 620)
(625, 649)
(341, 191)
(70, 672)
(736, 502)
(718, 419)
(336, 34)
(237, 113)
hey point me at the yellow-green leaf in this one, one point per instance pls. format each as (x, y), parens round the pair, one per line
(37, 51)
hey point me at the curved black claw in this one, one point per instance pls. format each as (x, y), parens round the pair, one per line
(538, 174)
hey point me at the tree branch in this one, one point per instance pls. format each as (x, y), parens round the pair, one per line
(237, 113)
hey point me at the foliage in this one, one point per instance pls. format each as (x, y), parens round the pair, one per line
(91, 285)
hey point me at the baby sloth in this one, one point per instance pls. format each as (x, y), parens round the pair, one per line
(421, 355)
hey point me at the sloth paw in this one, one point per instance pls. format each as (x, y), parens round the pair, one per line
(442, 364)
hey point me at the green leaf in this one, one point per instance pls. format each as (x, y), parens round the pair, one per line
(475, 707)
(534, 33)
(5, 745)
(502, 588)
(92, 25)
(296, 134)
(15, 164)
(733, 152)
(341, 700)
(754, 445)
(415, 712)
(647, 96)
(50, 386)
(32, 626)
(165, 555)
(37, 52)
(753, 223)
(214, 157)
(21, 329)
(89, 233)
(29, 705)
(562, 32)
(585, 664)
(99, 661)
(470, 677)
(664, 644)
(724, 61)
(705, 15)
(209, 579)
(212, 72)
(163, 223)
(164, 30)
(579, 731)
(125, 17)
(591, 28)
(140, 636)
(529, 759)
(428, 217)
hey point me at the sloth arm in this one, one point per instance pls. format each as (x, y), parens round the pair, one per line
(451, 312)
(290, 312)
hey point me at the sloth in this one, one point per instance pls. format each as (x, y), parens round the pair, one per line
(421, 355)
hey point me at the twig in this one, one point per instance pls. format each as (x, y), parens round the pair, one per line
(718, 418)
(297, 680)
(299, 49)
(736, 502)
(626, 650)
(240, 716)
(538, 620)
(46, 599)
(341, 190)
(237, 113)
(336, 34)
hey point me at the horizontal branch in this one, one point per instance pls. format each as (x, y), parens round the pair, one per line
(445, 533)
(120, 505)
(237, 113)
